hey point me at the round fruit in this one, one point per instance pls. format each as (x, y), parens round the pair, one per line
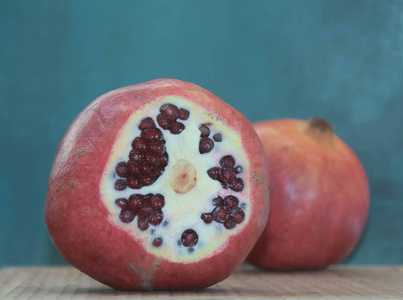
(130, 195)
(319, 196)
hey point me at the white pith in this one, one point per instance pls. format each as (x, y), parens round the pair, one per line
(182, 211)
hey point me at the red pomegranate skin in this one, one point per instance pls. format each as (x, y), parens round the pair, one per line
(319, 197)
(77, 219)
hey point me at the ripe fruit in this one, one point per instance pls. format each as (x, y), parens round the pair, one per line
(130, 189)
(319, 196)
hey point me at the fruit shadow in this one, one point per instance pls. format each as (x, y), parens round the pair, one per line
(102, 292)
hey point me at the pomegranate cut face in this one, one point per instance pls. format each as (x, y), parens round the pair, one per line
(156, 186)
(181, 188)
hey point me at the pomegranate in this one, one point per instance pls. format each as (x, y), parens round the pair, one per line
(319, 196)
(132, 198)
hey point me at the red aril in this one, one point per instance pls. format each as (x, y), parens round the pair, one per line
(130, 196)
(319, 196)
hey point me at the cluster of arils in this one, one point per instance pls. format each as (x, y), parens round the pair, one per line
(227, 174)
(206, 144)
(147, 159)
(147, 208)
(226, 212)
(168, 116)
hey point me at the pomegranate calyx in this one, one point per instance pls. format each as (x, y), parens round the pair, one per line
(320, 131)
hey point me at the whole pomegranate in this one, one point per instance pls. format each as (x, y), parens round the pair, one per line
(158, 185)
(319, 196)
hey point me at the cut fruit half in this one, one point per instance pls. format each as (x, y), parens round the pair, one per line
(178, 171)
(169, 179)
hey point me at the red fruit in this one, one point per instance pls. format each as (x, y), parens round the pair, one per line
(319, 196)
(134, 246)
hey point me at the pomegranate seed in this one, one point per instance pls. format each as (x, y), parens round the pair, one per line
(217, 137)
(189, 238)
(170, 110)
(126, 216)
(121, 202)
(145, 211)
(146, 123)
(142, 224)
(183, 114)
(139, 144)
(157, 148)
(237, 215)
(207, 218)
(229, 224)
(227, 175)
(133, 182)
(146, 169)
(156, 218)
(238, 169)
(159, 170)
(120, 184)
(147, 180)
(218, 201)
(135, 202)
(213, 173)
(206, 145)
(238, 185)
(176, 127)
(220, 215)
(157, 202)
(163, 121)
(204, 131)
(164, 159)
(153, 160)
(152, 134)
(132, 168)
(157, 242)
(227, 161)
(147, 200)
(225, 185)
(231, 201)
(136, 157)
(121, 169)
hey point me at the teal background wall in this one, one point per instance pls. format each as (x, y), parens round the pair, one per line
(341, 60)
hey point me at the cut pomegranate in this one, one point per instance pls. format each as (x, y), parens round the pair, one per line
(168, 185)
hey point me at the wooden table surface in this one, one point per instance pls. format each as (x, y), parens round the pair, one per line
(337, 282)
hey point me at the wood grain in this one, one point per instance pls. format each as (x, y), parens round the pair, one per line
(337, 282)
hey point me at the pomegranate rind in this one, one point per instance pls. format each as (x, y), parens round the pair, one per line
(319, 196)
(77, 219)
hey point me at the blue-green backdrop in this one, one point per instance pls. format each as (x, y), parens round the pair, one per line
(341, 60)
